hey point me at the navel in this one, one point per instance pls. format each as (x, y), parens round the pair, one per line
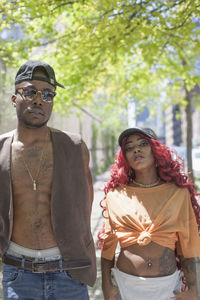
(37, 224)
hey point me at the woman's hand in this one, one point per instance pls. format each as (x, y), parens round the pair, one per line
(109, 290)
(189, 295)
(111, 293)
(189, 269)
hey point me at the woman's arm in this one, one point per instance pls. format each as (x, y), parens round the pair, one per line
(189, 268)
(109, 290)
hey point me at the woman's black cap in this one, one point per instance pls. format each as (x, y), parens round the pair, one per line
(145, 131)
(26, 73)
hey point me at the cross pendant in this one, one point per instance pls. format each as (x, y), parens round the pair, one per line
(34, 186)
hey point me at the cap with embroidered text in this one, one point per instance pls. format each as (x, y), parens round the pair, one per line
(26, 73)
(145, 131)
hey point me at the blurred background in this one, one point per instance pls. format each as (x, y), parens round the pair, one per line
(123, 63)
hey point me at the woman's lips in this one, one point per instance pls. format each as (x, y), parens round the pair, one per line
(138, 157)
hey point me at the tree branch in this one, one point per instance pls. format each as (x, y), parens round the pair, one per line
(64, 4)
(87, 112)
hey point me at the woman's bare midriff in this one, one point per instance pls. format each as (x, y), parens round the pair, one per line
(152, 260)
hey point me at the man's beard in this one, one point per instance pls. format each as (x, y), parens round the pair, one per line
(30, 124)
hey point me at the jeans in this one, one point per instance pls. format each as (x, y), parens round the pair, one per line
(25, 285)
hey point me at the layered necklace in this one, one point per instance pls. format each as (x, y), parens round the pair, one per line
(35, 178)
(146, 185)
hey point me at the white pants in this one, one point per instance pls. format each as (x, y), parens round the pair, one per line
(147, 288)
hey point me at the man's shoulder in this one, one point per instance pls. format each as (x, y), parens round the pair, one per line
(74, 137)
(6, 135)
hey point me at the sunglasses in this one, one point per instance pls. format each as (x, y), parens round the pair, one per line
(30, 94)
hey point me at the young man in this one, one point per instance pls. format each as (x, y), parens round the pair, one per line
(45, 202)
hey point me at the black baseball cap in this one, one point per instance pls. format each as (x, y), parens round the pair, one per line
(145, 131)
(26, 73)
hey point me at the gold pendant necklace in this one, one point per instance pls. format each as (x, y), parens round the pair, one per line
(146, 185)
(34, 181)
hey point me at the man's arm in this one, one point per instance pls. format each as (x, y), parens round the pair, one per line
(86, 159)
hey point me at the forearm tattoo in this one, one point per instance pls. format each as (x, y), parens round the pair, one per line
(189, 268)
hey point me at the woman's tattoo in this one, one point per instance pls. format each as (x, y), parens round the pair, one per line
(167, 262)
(189, 269)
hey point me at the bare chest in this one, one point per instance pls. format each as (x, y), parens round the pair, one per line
(32, 168)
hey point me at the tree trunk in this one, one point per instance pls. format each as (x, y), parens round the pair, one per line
(188, 111)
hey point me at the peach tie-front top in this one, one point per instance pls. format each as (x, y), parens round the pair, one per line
(162, 214)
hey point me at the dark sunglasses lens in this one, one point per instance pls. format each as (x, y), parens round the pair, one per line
(29, 93)
(48, 96)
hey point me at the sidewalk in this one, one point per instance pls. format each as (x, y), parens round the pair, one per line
(96, 224)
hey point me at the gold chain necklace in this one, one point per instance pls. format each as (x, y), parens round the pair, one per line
(34, 181)
(146, 185)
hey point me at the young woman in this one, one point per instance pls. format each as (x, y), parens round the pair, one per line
(152, 212)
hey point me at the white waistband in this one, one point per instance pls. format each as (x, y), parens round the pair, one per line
(49, 254)
(146, 288)
(148, 280)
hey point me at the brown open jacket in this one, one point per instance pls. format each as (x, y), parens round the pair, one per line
(70, 205)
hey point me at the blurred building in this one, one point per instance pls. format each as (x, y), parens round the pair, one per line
(176, 123)
(145, 119)
(173, 129)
